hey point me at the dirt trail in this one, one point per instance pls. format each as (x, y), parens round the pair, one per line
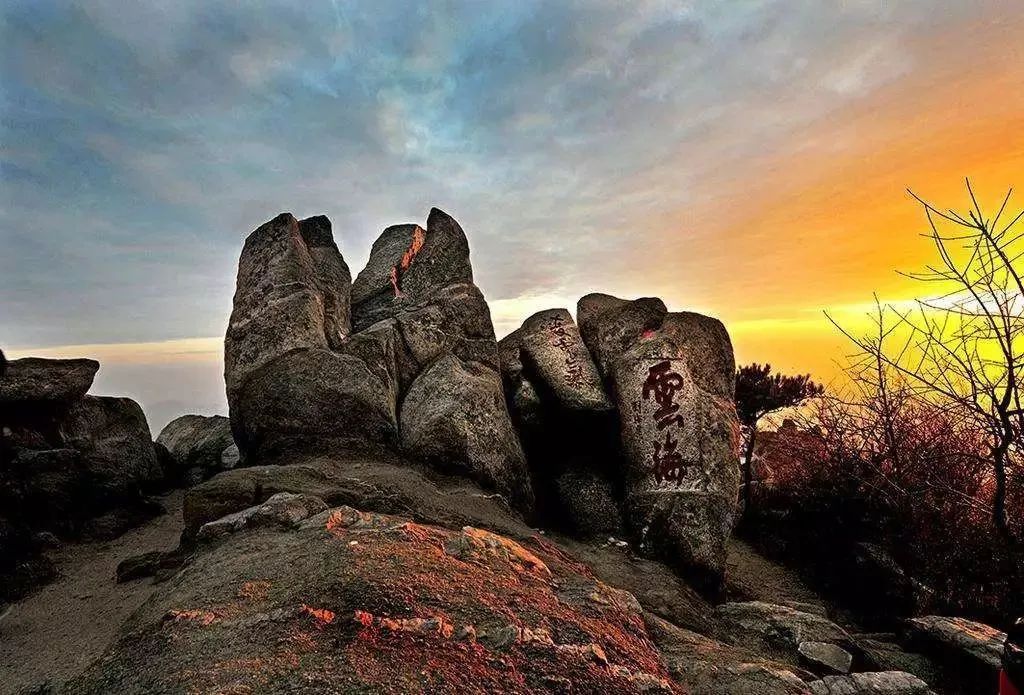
(753, 577)
(54, 633)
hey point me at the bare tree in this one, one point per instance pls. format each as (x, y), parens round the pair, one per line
(962, 348)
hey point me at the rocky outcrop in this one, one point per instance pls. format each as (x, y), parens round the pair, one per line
(197, 447)
(348, 601)
(880, 683)
(703, 665)
(66, 460)
(418, 374)
(790, 636)
(34, 380)
(566, 423)
(113, 438)
(285, 383)
(971, 652)
(672, 375)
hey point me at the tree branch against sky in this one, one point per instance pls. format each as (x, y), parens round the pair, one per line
(962, 346)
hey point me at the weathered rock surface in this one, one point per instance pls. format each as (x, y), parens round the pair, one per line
(885, 655)
(199, 441)
(455, 417)
(283, 509)
(879, 683)
(554, 355)
(115, 443)
(350, 601)
(969, 651)
(38, 380)
(824, 657)
(70, 464)
(780, 631)
(407, 266)
(703, 665)
(313, 401)
(292, 291)
(673, 379)
(377, 482)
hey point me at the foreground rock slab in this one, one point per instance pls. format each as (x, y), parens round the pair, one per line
(879, 683)
(350, 601)
(970, 651)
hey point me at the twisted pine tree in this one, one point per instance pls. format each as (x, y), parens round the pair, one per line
(759, 393)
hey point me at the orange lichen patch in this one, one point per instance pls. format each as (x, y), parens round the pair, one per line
(257, 590)
(344, 519)
(419, 236)
(323, 616)
(202, 617)
(436, 625)
(477, 544)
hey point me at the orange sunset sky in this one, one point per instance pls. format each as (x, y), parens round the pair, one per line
(809, 214)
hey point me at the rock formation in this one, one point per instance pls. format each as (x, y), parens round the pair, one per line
(380, 531)
(672, 376)
(196, 447)
(65, 459)
(418, 374)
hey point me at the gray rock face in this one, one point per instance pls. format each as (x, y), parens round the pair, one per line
(825, 657)
(702, 665)
(970, 649)
(292, 292)
(301, 384)
(310, 402)
(611, 326)
(878, 683)
(555, 356)
(781, 631)
(566, 423)
(673, 379)
(38, 380)
(113, 438)
(283, 509)
(454, 416)
(198, 441)
(407, 265)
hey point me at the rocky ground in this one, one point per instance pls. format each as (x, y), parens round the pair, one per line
(54, 633)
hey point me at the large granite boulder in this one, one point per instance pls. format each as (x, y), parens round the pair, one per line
(790, 636)
(39, 380)
(292, 291)
(116, 446)
(672, 375)
(35, 395)
(198, 444)
(454, 417)
(312, 401)
(70, 464)
(555, 357)
(566, 423)
(294, 385)
(971, 652)
(350, 601)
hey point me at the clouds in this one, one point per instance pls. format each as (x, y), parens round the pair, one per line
(142, 141)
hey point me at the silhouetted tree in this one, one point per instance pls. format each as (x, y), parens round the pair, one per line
(759, 392)
(962, 348)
